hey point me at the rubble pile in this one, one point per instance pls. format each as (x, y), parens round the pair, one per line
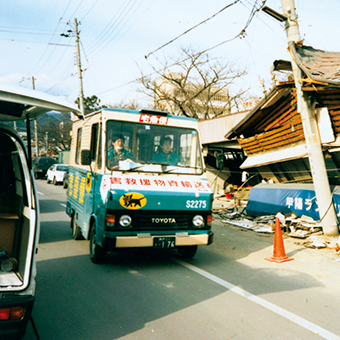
(303, 227)
(291, 224)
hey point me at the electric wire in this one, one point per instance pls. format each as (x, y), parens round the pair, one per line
(111, 29)
(52, 53)
(190, 29)
(25, 41)
(242, 32)
(65, 50)
(75, 11)
(120, 29)
(64, 76)
(117, 27)
(24, 32)
(87, 13)
(97, 42)
(53, 34)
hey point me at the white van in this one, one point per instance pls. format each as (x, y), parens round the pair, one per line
(19, 208)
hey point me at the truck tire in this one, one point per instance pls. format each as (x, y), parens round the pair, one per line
(187, 252)
(97, 253)
(76, 232)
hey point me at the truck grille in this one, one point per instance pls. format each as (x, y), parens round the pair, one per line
(162, 221)
(158, 220)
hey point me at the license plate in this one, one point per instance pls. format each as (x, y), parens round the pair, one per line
(164, 242)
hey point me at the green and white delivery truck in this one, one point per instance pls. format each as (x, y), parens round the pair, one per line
(137, 179)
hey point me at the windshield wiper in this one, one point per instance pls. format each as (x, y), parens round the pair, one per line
(166, 164)
(176, 167)
(158, 163)
(140, 165)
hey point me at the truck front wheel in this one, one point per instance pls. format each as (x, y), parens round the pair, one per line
(97, 253)
(187, 252)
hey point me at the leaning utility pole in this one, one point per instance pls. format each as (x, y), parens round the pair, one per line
(306, 108)
(80, 76)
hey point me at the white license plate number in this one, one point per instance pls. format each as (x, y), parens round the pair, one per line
(164, 242)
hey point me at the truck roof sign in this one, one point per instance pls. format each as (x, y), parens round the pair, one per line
(152, 119)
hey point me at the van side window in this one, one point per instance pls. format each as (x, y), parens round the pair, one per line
(79, 133)
(94, 141)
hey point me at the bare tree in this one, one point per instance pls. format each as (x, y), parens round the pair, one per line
(192, 85)
(56, 127)
(131, 104)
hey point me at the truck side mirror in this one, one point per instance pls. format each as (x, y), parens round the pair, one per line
(205, 151)
(219, 155)
(86, 157)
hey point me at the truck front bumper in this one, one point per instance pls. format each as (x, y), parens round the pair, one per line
(147, 240)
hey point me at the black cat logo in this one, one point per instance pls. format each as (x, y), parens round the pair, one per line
(130, 202)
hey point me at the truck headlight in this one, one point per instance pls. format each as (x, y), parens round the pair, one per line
(198, 221)
(125, 221)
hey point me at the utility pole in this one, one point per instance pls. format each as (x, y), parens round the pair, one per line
(80, 72)
(35, 126)
(80, 75)
(306, 108)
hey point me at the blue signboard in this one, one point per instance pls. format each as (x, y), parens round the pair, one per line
(269, 199)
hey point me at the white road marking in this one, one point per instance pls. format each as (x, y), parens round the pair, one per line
(276, 309)
(63, 205)
(40, 193)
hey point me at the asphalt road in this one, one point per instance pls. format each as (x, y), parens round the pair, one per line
(227, 291)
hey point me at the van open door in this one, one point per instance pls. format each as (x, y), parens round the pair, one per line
(19, 208)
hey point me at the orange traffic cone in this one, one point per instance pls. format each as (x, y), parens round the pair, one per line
(279, 254)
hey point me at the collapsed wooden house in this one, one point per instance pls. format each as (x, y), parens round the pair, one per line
(272, 135)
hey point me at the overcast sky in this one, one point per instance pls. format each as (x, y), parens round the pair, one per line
(115, 36)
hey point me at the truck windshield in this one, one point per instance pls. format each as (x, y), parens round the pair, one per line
(152, 148)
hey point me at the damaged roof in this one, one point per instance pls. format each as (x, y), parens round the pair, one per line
(318, 65)
(322, 78)
(266, 112)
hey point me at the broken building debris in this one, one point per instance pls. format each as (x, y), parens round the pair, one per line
(303, 227)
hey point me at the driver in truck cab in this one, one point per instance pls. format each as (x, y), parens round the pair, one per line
(164, 153)
(116, 152)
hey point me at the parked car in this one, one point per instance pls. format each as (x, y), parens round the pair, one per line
(56, 173)
(41, 165)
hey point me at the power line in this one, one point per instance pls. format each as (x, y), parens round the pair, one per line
(53, 34)
(82, 19)
(253, 12)
(25, 41)
(243, 31)
(107, 28)
(24, 32)
(190, 29)
(274, 20)
(111, 27)
(121, 28)
(75, 11)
